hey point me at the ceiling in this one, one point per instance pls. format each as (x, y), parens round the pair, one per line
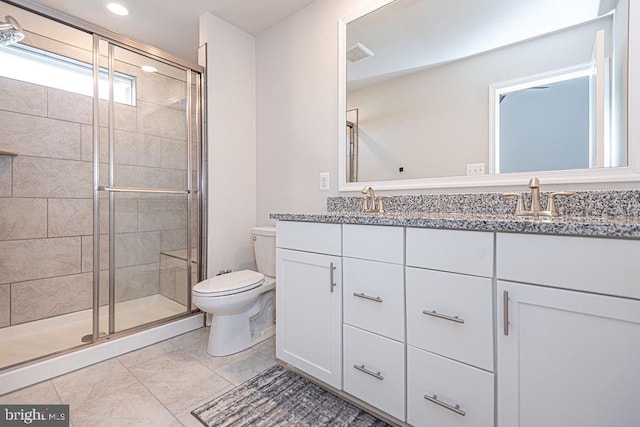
(410, 34)
(172, 25)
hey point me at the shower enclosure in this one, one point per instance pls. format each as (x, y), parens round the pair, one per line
(101, 155)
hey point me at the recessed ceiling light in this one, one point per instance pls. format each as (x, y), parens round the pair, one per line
(148, 69)
(117, 8)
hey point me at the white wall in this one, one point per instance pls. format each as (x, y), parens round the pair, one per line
(232, 143)
(297, 106)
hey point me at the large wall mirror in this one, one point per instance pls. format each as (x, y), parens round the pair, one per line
(485, 93)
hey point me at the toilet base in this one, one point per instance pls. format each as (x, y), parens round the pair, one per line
(223, 341)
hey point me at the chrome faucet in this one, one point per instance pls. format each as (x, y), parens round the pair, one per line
(369, 204)
(536, 211)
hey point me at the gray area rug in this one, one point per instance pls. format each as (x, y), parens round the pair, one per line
(278, 397)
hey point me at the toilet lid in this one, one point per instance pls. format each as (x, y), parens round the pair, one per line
(231, 283)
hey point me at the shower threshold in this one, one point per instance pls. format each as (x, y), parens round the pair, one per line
(30, 340)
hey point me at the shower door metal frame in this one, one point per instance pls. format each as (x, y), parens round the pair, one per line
(111, 189)
(201, 160)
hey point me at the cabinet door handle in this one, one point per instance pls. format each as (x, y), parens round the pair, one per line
(443, 316)
(332, 283)
(505, 314)
(362, 368)
(452, 408)
(365, 296)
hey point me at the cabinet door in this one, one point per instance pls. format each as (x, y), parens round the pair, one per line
(567, 358)
(309, 313)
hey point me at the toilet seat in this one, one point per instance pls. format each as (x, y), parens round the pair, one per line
(228, 284)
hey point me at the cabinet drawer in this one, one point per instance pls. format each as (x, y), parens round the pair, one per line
(605, 266)
(374, 370)
(309, 237)
(374, 296)
(374, 242)
(462, 326)
(468, 252)
(453, 384)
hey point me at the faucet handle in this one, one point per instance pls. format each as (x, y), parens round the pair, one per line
(551, 202)
(520, 209)
(381, 203)
(365, 203)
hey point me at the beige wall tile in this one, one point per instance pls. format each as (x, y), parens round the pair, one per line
(159, 89)
(70, 106)
(162, 121)
(174, 239)
(39, 136)
(126, 215)
(39, 299)
(5, 176)
(137, 281)
(87, 144)
(173, 154)
(22, 260)
(22, 97)
(137, 248)
(167, 214)
(87, 253)
(138, 176)
(167, 278)
(126, 116)
(5, 307)
(36, 177)
(70, 217)
(23, 218)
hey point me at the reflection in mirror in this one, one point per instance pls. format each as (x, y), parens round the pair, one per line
(497, 86)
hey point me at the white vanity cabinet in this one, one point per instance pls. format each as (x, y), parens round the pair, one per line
(309, 299)
(567, 354)
(374, 339)
(449, 328)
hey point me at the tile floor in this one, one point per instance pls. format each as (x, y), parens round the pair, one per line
(157, 385)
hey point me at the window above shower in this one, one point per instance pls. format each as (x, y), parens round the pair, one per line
(48, 69)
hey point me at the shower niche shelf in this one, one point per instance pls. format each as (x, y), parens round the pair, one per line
(7, 153)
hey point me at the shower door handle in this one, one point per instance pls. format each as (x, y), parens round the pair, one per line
(140, 190)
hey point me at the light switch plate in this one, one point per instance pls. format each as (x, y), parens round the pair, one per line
(324, 181)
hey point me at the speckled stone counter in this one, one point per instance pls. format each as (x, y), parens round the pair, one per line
(614, 214)
(616, 227)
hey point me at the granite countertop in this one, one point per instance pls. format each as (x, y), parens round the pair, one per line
(625, 227)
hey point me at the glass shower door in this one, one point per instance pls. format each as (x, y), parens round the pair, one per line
(146, 189)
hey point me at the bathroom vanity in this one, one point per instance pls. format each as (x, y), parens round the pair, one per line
(463, 319)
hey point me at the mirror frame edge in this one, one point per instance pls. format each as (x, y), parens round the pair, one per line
(625, 174)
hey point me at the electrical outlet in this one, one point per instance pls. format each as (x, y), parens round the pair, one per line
(324, 181)
(475, 169)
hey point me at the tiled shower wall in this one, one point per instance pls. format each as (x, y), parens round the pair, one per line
(46, 205)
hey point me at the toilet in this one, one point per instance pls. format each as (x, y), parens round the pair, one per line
(243, 302)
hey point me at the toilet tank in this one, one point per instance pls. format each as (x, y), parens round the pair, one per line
(264, 248)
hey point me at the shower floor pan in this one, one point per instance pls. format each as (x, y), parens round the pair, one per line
(41, 337)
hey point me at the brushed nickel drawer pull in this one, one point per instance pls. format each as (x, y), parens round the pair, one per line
(332, 283)
(365, 296)
(443, 316)
(452, 408)
(376, 375)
